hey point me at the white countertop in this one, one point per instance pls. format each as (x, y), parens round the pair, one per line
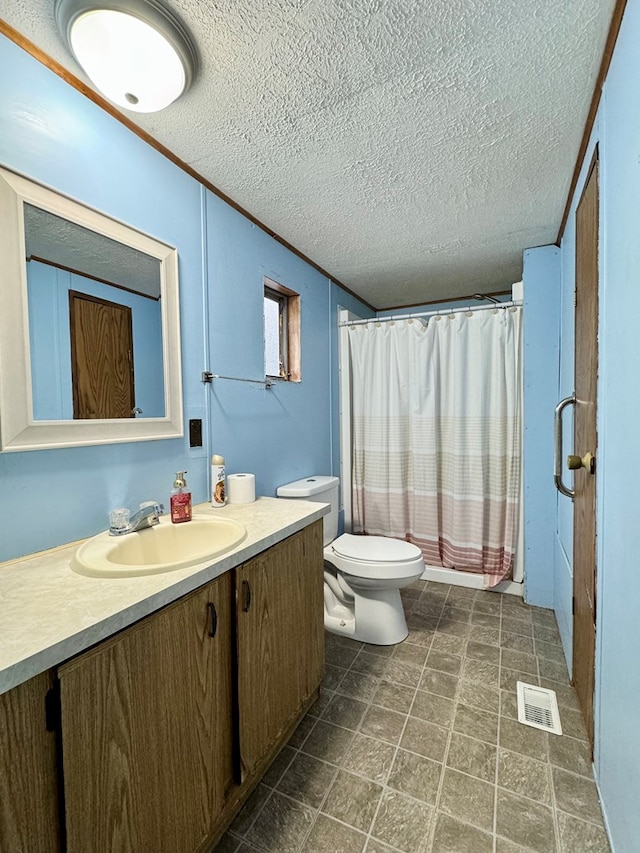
(48, 613)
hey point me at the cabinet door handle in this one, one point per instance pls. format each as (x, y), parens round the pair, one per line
(213, 619)
(246, 596)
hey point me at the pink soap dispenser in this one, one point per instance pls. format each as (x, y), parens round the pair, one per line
(180, 499)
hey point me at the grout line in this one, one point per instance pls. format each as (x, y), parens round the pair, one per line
(448, 743)
(495, 788)
(465, 604)
(299, 751)
(369, 704)
(272, 789)
(385, 786)
(554, 805)
(318, 809)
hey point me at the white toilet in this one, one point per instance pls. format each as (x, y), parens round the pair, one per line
(363, 574)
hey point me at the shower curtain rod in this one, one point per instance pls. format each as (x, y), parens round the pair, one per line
(514, 303)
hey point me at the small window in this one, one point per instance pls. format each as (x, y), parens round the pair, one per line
(281, 332)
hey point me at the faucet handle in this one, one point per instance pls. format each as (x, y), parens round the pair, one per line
(119, 518)
(119, 521)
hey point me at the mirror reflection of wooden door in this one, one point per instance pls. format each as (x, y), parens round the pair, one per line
(585, 440)
(101, 358)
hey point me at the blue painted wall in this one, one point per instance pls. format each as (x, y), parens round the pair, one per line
(282, 433)
(617, 687)
(541, 278)
(55, 136)
(618, 673)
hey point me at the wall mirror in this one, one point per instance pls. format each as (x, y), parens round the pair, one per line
(89, 325)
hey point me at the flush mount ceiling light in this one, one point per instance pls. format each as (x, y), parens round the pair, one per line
(136, 52)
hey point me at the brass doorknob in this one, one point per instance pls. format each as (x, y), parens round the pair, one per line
(588, 462)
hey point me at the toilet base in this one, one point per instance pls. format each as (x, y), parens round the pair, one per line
(342, 627)
(378, 620)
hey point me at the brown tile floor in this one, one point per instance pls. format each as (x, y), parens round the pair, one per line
(416, 747)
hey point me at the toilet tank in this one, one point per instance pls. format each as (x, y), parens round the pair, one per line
(321, 489)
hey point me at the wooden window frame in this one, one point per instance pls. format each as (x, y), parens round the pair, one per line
(289, 303)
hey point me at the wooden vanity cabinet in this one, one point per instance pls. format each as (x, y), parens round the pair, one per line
(280, 638)
(29, 810)
(147, 730)
(166, 727)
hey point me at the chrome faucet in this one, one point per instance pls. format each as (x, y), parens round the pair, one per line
(147, 516)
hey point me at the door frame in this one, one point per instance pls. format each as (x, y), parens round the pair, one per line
(585, 515)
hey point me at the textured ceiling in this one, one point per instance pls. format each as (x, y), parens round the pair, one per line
(412, 149)
(75, 248)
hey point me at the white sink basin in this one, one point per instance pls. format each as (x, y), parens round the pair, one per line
(158, 549)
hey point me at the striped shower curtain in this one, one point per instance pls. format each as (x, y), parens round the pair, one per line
(436, 436)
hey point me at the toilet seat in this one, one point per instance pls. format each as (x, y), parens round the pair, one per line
(374, 549)
(374, 557)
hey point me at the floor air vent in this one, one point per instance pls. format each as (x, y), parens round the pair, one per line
(538, 707)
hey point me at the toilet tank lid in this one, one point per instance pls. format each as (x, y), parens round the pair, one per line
(306, 487)
(375, 549)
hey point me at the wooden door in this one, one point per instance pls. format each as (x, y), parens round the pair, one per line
(280, 640)
(101, 357)
(29, 820)
(585, 440)
(146, 731)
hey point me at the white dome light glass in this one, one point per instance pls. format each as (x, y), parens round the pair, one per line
(129, 61)
(137, 53)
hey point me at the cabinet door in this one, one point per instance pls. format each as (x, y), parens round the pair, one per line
(279, 639)
(311, 597)
(28, 776)
(146, 731)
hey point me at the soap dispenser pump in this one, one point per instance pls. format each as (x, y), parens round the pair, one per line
(180, 499)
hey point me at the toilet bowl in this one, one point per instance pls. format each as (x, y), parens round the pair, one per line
(363, 575)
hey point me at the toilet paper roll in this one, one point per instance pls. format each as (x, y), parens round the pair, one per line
(241, 488)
